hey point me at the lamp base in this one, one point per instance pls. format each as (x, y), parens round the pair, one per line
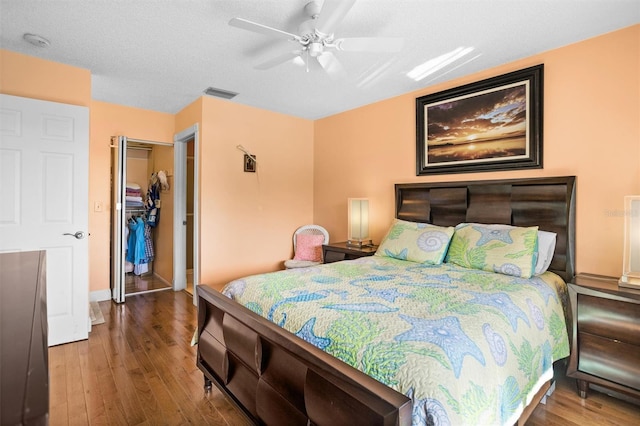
(359, 243)
(629, 282)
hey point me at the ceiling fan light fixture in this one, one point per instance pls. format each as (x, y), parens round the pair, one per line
(316, 39)
(315, 49)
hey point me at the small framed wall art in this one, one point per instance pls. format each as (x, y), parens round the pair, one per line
(250, 163)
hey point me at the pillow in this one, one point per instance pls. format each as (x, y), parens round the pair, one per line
(505, 249)
(416, 242)
(309, 247)
(546, 248)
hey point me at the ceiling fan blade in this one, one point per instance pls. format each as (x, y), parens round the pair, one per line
(331, 64)
(280, 59)
(262, 29)
(331, 14)
(369, 44)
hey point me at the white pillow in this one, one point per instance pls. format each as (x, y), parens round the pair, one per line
(546, 248)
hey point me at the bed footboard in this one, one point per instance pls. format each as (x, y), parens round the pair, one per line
(277, 378)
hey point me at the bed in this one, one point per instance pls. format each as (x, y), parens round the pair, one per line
(384, 340)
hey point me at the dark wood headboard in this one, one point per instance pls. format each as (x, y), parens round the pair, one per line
(548, 203)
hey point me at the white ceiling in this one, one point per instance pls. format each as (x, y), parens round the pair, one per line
(161, 54)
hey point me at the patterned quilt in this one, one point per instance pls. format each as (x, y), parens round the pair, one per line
(468, 347)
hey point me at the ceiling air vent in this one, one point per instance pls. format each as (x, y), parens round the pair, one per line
(225, 94)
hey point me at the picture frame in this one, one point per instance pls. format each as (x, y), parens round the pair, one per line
(490, 125)
(250, 163)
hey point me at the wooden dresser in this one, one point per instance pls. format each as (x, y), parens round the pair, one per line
(605, 347)
(23, 339)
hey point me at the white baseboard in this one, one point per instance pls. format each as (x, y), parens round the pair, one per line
(100, 295)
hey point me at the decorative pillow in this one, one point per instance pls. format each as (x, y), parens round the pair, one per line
(309, 247)
(416, 242)
(546, 248)
(504, 249)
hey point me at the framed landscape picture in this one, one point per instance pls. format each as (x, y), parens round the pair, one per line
(493, 124)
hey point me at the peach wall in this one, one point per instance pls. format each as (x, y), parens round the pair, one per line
(30, 77)
(592, 92)
(247, 219)
(591, 130)
(27, 76)
(189, 116)
(111, 120)
(137, 165)
(162, 159)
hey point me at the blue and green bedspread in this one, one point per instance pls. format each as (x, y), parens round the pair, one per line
(467, 346)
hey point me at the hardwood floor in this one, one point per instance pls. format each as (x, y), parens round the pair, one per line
(138, 368)
(143, 283)
(566, 408)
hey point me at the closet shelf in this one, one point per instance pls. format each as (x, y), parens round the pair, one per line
(135, 209)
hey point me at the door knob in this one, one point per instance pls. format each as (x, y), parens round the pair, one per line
(79, 235)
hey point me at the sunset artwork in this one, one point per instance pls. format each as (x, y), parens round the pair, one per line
(485, 126)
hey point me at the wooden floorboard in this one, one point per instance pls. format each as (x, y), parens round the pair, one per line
(138, 368)
(566, 408)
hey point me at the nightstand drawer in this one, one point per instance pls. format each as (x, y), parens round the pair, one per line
(334, 256)
(609, 359)
(605, 343)
(336, 252)
(609, 318)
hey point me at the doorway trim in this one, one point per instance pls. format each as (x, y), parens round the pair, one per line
(180, 140)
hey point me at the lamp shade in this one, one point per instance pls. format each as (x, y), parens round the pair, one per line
(358, 221)
(631, 258)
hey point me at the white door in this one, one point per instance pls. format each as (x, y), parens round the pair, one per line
(44, 172)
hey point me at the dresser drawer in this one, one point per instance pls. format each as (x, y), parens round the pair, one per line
(609, 318)
(609, 359)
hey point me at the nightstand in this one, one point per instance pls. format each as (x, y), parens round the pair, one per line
(605, 346)
(336, 252)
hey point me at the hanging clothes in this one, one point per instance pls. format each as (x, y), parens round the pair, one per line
(135, 244)
(157, 182)
(128, 266)
(139, 245)
(148, 243)
(140, 269)
(153, 211)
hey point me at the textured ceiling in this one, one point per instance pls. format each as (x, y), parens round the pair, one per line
(161, 54)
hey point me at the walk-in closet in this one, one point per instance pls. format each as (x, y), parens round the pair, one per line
(141, 216)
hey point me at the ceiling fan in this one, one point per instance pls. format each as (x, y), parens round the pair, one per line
(316, 40)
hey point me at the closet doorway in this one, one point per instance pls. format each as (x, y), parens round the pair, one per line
(142, 213)
(176, 240)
